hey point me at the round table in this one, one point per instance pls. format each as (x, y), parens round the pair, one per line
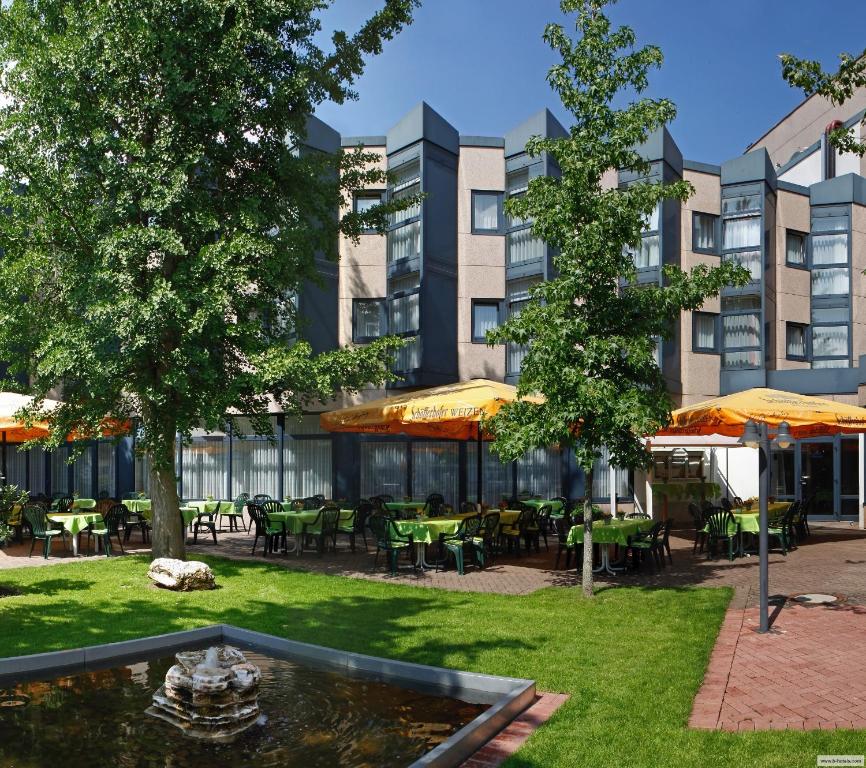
(425, 532)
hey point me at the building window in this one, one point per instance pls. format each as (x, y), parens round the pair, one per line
(404, 235)
(751, 260)
(741, 332)
(518, 298)
(368, 320)
(486, 212)
(795, 248)
(795, 341)
(830, 346)
(521, 247)
(742, 233)
(705, 233)
(485, 317)
(646, 256)
(363, 202)
(705, 335)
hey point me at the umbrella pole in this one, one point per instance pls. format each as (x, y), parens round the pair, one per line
(763, 548)
(478, 468)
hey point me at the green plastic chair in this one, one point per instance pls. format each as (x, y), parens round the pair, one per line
(389, 540)
(323, 529)
(113, 521)
(35, 517)
(485, 540)
(454, 543)
(235, 513)
(721, 526)
(271, 532)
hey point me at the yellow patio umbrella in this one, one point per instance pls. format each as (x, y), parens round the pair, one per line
(806, 416)
(452, 411)
(751, 415)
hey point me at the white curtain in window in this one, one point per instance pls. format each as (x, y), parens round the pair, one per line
(205, 467)
(539, 473)
(486, 211)
(404, 242)
(522, 247)
(496, 477)
(742, 233)
(405, 313)
(60, 470)
(406, 183)
(796, 341)
(705, 232)
(514, 355)
(368, 316)
(751, 260)
(829, 340)
(601, 479)
(82, 473)
(383, 468)
(16, 466)
(648, 253)
(839, 363)
(255, 462)
(37, 471)
(486, 318)
(652, 221)
(830, 282)
(796, 248)
(408, 357)
(106, 468)
(435, 470)
(830, 249)
(705, 331)
(742, 359)
(308, 468)
(741, 330)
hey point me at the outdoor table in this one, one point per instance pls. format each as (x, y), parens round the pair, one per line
(404, 506)
(294, 521)
(79, 504)
(605, 533)
(187, 512)
(211, 507)
(425, 531)
(137, 505)
(75, 523)
(555, 506)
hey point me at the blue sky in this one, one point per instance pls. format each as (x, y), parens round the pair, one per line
(482, 63)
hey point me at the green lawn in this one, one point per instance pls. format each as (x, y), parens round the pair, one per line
(631, 658)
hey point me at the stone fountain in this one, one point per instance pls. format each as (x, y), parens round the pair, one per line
(211, 695)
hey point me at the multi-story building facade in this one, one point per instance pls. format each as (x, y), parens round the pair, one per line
(790, 209)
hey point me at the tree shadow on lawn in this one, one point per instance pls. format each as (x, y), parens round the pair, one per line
(266, 599)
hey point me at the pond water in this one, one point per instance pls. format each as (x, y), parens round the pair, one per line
(315, 718)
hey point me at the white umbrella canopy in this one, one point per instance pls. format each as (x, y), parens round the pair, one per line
(14, 430)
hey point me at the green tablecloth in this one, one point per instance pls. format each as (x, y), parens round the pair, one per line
(75, 522)
(555, 506)
(212, 507)
(748, 522)
(427, 531)
(400, 506)
(187, 513)
(612, 532)
(295, 521)
(137, 505)
(79, 504)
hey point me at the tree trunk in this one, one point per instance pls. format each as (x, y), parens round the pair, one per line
(587, 537)
(168, 538)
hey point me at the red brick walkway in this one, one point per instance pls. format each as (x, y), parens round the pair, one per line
(808, 672)
(511, 738)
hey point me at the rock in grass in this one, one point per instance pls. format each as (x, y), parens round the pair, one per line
(181, 575)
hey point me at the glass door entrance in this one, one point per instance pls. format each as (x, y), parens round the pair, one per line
(816, 478)
(829, 477)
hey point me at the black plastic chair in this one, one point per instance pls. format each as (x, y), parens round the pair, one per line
(434, 506)
(206, 521)
(236, 514)
(357, 526)
(260, 497)
(646, 544)
(64, 504)
(544, 522)
(562, 526)
(726, 504)
(112, 524)
(700, 524)
(389, 540)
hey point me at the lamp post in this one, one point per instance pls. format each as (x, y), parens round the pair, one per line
(757, 435)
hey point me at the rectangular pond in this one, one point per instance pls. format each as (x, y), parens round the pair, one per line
(320, 708)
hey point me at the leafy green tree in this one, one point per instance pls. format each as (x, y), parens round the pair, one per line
(591, 332)
(836, 86)
(164, 212)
